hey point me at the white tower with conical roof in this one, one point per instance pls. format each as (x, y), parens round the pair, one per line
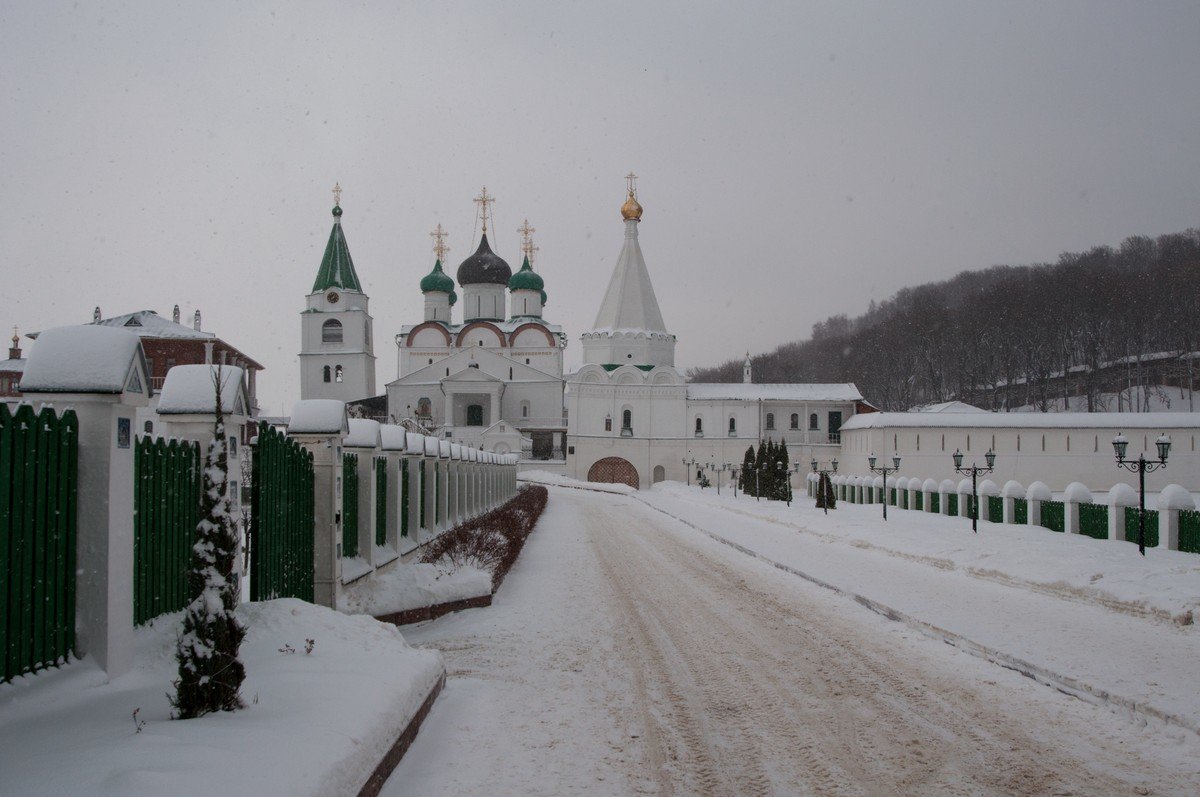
(629, 328)
(337, 357)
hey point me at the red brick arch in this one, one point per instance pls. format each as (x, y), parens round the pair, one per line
(614, 470)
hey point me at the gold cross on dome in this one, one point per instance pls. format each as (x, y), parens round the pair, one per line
(631, 183)
(337, 193)
(483, 200)
(527, 240)
(440, 248)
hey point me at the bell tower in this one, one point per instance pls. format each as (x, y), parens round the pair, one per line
(337, 354)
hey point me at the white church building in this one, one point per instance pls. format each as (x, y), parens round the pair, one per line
(633, 418)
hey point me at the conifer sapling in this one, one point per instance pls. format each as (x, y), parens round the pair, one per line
(210, 672)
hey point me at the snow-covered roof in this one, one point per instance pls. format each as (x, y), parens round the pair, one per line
(81, 359)
(363, 433)
(149, 324)
(191, 389)
(1025, 420)
(12, 365)
(741, 391)
(629, 302)
(319, 416)
(948, 406)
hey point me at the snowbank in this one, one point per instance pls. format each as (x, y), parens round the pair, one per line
(414, 586)
(1165, 584)
(314, 723)
(546, 477)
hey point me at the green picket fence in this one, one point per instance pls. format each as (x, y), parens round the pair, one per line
(935, 502)
(952, 503)
(349, 505)
(1189, 530)
(1093, 521)
(903, 499)
(404, 498)
(1020, 511)
(892, 496)
(1131, 526)
(421, 494)
(919, 501)
(166, 501)
(381, 501)
(39, 459)
(281, 518)
(437, 496)
(1054, 515)
(995, 509)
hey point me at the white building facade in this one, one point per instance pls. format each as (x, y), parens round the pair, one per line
(635, 420)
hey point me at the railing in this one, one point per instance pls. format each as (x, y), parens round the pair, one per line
(281, 518)
(166, 498)
(550, 422)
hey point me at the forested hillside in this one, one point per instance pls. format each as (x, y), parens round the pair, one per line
(1108, 319)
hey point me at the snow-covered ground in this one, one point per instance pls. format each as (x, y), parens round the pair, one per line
(547, 478)
(629, 652)
(314, 723)
(414, 585)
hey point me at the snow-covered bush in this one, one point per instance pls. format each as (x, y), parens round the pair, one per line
(493, 541)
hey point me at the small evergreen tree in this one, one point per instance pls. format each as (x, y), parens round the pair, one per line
(760, 480)
(746, 477)
(826, 499)
(785, 475)
(210, 672)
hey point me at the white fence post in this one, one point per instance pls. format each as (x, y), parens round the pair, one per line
(1075, 495)
(1013, 491)
(1120, 497)
(1171, 500)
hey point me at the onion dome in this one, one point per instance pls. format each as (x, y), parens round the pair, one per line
(632, 209)
(437, 280)
(453, 298)
(485, 267)
(543, 298)
(526, 279)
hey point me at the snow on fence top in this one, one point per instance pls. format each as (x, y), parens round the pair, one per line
(1122, 494)
(1013, 489)
(1039, 491)
(190, 389)
(414, 442)
(393, 438)
(319, 416)
(1024, 420)
(1175, 497)
(81, 359)
(740, 391)
(1077, 493)
(363, 433)
(444, 449)
(431, 446)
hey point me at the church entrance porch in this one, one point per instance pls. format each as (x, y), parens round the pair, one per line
(614, 470)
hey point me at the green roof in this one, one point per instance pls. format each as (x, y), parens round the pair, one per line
(437, 280)
(337, 269)
(525, 279)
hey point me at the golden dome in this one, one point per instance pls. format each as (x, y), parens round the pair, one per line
(631, 209)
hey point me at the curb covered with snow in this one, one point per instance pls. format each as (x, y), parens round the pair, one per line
(318, 723)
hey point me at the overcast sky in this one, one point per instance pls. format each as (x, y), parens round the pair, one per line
(796, 160)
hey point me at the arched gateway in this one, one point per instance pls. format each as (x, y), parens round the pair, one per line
(614, 470)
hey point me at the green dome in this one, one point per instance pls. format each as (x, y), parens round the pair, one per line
(543, 298)
(337, 210)
(437, 280)
(525, 279)
(453, 298)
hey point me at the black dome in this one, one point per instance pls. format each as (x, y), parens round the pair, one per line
(484, 267)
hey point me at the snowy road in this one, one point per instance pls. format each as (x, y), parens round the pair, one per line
(629, 654)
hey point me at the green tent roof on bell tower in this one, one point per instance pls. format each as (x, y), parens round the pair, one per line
(337, 269)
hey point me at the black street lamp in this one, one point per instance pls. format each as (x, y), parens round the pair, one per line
(885, 470)
(733, 474)
(689, 463)
(1141, 467)
(823, 474)
(974, 470)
